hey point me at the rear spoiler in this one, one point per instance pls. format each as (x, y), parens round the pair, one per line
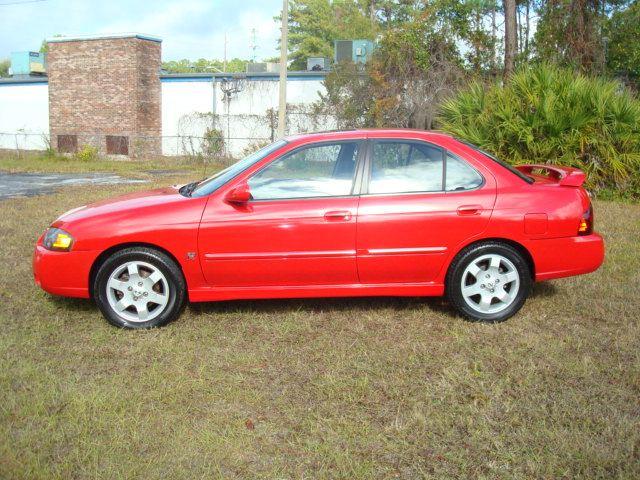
(566, 176)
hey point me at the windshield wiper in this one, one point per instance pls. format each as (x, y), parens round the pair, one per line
(188, 189)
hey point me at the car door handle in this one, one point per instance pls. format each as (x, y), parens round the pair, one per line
(338, 216)
(469, 209)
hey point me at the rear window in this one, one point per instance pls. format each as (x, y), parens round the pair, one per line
(513, 170)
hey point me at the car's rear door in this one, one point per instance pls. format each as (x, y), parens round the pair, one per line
(299, 228)
(419, 202)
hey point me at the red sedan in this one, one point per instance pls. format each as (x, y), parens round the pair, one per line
(355, 213)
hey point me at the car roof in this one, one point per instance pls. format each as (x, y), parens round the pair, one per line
(406, 133)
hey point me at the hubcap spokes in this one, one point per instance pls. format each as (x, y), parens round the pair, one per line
(137, 291)
(490, 283)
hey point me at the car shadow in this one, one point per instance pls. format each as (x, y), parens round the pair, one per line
(314, 305)
(73, 304)
(543, 290)
(342, 304)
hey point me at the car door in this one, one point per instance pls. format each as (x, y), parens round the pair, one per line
(419, 202)
(299, 228)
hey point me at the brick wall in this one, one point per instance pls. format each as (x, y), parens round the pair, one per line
(106, 87)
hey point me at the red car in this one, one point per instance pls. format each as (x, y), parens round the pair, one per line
(354, 213)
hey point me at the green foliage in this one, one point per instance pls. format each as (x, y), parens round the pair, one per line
(87, 153)
(415, 66)
(546, 114)
(624, 43)
(4, 67)
(315, 24)
(203, 65)
(570, 32)
(213, 142)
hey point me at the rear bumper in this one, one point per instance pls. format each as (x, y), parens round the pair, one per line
(565, 257)
(63, 273)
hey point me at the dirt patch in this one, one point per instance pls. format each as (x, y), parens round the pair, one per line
(30, 184)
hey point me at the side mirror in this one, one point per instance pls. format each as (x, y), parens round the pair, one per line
(239, 195)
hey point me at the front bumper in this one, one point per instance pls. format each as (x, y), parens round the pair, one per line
(63, 273)
(565, 257)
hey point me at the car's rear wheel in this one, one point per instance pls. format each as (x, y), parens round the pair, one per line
(139, 288)
(489, 282)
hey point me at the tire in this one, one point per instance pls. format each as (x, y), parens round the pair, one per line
(139, 288)
(488, 282)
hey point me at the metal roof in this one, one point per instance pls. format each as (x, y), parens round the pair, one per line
(74, 38)
(11, 80)
(195, 77)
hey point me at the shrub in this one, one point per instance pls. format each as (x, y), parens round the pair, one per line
(546, 114)
(87, 154)
(213, 143)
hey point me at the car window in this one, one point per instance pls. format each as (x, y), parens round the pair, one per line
(460, 175)
(404, 167)
(325, 170)
(216, 181)
(502, 163)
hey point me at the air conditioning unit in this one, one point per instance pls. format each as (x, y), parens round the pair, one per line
(28, 63)
(343, 51)
(256, 67)
(263, 67)
(318, 64)
(356, 51)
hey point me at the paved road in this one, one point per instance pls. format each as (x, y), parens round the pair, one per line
(29, 184)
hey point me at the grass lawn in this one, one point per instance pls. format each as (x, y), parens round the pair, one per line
(337, 388)
(37, 162)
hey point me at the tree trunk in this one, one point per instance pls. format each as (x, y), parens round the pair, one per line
(372, 14)
(494, 46)
(510, 37)
(519, 28)
(527, 31)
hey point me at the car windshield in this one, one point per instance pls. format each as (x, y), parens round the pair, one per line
(211, 184)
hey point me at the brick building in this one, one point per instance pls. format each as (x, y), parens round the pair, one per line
(105, 91)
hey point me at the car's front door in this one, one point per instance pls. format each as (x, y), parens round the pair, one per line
(299, 228)
(419, 202)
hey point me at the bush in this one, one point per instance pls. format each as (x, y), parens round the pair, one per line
(87, 154)
(546, 114)
(213, 143)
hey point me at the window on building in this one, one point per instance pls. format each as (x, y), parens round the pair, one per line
(67, 143)
(325, 170)
(405, 167)
(460, 175)
(117, 145)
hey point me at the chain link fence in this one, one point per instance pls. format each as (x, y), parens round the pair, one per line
(199, 135)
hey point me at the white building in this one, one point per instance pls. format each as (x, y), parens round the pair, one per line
(236, 104)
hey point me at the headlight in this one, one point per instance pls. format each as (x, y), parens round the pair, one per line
(56, 239)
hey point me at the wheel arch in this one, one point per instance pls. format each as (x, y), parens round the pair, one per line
(512, 243)
(100, 259)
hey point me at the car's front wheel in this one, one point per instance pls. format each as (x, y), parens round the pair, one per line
(139, 288)
(489, 282)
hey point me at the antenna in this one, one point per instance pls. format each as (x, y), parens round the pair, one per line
(253, 46)
(224, 64)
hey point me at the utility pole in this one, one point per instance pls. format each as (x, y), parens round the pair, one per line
(253, 46)
(224, 63)
(282, 108)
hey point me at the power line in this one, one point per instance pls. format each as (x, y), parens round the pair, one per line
(21, 3)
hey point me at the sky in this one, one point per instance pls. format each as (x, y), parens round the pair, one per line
(188, 28)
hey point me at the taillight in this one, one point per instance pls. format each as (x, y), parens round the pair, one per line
(586, 222)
